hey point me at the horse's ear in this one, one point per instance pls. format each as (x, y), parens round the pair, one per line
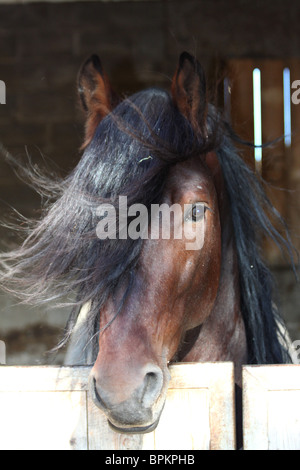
(96, 95)
(189, 91)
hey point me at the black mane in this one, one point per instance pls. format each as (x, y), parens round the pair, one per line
(131, 152)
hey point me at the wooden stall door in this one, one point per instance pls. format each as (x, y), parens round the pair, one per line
(271, 397)
(50, 408)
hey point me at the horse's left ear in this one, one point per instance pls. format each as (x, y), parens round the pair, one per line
(96, 94)
(189, 91)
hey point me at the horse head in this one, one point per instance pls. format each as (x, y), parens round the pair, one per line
(174, 289)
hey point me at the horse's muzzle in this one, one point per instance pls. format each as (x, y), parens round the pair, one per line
(137, 412)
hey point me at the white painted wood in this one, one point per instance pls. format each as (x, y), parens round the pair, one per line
(43, 378)
(50, 408)
(191, 420)
(271, 397)
(43, 420)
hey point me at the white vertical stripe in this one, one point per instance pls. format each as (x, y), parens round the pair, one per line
(257, 113)
(287, 106)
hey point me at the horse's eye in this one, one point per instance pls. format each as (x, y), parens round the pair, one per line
(197, 212)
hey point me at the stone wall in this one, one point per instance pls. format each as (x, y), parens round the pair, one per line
(41, 48)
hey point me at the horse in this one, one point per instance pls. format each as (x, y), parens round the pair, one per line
(142, 303)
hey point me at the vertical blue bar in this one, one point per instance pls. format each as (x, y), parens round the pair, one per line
(257, 114)
(287, 106)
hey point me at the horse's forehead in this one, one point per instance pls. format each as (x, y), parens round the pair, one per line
(191, 175)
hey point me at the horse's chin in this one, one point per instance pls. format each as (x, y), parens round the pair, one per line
(134, 429)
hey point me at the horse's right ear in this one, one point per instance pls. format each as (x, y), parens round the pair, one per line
(189, 91)
(96, 95)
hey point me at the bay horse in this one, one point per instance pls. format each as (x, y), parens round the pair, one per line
(141, 304)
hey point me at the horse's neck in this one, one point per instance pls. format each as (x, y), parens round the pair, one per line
(222, 336)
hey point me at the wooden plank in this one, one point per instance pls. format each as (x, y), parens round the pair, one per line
(191, 421)
(52, 408)
(271, 396)
(43, 378)
(283, 420)
(43, 421)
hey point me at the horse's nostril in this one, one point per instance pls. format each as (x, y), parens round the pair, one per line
(150, 382)
(151, 378)
(153, 382)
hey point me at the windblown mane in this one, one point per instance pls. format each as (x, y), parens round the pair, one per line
(251, 210)
(130, 154)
